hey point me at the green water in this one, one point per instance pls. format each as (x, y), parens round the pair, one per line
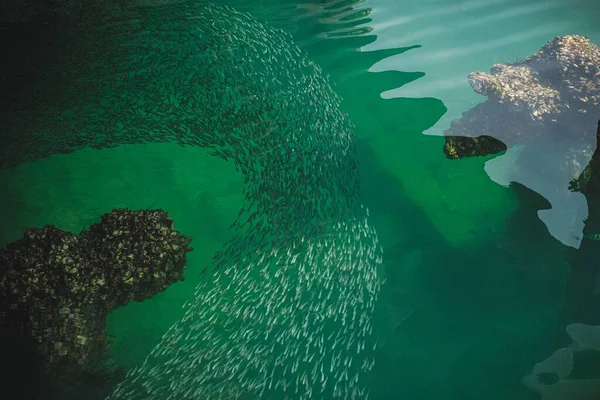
(475, 289)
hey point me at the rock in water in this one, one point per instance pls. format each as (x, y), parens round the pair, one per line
(57, 288)
(287, 312)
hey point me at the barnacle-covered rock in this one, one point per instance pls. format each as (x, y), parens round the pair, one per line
(555, 90)
(140, 252)
(57, 288)
(461, 146)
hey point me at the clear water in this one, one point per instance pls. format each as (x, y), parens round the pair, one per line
(476, 290)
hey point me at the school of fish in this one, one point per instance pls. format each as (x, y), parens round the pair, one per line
(285, 309)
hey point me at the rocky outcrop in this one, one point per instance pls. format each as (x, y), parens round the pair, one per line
(56, 288)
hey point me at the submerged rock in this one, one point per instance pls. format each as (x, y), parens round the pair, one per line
(56, 288)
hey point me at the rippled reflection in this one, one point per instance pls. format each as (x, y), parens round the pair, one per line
(555, 377)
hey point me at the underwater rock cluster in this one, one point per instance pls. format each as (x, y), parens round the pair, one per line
(57, 288)
(554, 89)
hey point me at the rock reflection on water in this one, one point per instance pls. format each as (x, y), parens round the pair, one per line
(543, 111)
(552, 378)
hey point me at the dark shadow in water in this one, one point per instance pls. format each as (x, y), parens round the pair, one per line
(26, 374)
(23, 370)
(453, 297)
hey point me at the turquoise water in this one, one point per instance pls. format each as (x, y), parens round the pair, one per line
(475, 288)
